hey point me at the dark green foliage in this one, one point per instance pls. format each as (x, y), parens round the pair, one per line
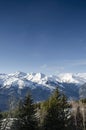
(5, 114)
(16, 125)
(52, 114)
(26, 114)
(57, 113)
(71, 123)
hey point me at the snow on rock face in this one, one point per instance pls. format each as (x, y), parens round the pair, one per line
(68, 77)
(18, 74)
(78, 78)
(22, 79)
(40, 85)
(37, 77)
(9, 81)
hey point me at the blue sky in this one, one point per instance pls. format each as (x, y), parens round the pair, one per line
(47, 36)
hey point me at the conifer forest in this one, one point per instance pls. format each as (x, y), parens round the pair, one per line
(56, 113)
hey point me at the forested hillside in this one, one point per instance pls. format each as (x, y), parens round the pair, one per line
(56, 113)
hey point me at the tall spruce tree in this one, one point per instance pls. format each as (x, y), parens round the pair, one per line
(26, 115)
(57, 112)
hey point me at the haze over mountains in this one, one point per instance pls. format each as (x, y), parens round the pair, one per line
(18, 84)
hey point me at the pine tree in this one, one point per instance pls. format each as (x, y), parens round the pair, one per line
(26, 115)
(57, 113)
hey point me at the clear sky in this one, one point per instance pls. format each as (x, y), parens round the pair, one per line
(47, 36)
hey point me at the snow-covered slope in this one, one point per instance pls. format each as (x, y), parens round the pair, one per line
(41, 86)
(23, 79)
(78, 78)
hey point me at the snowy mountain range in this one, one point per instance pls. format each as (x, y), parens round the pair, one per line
(41, 86)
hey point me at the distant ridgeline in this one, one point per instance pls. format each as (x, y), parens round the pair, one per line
(15, 86)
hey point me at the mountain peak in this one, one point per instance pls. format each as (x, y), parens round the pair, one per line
(36, 77)
(18, 74)
(40, 75)
(67, 77)
(40, 85)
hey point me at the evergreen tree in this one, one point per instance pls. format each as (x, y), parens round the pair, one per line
(26, 114)
(57, 112)
(71, 123)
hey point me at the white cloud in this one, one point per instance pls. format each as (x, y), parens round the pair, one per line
(67, 66)
(78, 62)
(43, 66)
(52, 69)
